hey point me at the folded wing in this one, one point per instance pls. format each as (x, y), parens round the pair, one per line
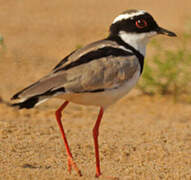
(87, 70)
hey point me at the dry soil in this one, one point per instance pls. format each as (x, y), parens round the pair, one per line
(141, 137)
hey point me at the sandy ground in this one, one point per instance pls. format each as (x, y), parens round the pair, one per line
(140, 137)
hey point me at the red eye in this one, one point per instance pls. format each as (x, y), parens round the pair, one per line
(141, 23)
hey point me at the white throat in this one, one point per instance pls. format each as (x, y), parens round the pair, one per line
(137, 40)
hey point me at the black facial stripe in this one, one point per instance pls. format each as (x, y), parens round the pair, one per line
(97, 54)
(129, 25)
(127, 46)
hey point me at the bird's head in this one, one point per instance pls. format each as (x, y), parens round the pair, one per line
(136, 27)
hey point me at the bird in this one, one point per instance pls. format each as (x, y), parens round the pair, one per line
(98, 74)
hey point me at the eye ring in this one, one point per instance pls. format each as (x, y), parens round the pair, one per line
(141, 23)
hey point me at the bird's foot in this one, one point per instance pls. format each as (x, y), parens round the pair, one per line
(72, 164)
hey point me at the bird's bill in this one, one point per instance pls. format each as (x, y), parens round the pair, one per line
(165, 32)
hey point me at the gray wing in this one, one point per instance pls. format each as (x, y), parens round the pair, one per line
(80, 73)
(102, 74)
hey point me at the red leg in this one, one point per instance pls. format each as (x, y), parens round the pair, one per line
(95, 136)
(71, 163)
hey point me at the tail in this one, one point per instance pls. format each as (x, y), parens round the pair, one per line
(30, 102)
(27, 100)
(39, 91)
(33, 101)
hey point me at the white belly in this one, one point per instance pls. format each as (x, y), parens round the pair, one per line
(104, 98)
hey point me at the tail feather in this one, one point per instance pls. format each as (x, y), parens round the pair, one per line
(16, 96)
(28, 103)
(33, 101)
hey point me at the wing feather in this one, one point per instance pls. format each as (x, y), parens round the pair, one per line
(106, 72)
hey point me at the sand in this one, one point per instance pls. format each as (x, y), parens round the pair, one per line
(141, 137)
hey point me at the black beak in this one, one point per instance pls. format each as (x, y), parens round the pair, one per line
(165, 32)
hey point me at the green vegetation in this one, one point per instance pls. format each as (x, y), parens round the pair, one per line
(1, 40)
(2, 45)
(169, 71)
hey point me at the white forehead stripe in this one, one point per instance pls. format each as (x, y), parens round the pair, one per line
(127, 16)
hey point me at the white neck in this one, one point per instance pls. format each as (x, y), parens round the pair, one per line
(137, 40)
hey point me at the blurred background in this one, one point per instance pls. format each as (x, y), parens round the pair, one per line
(154, 120)
(36, 35)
